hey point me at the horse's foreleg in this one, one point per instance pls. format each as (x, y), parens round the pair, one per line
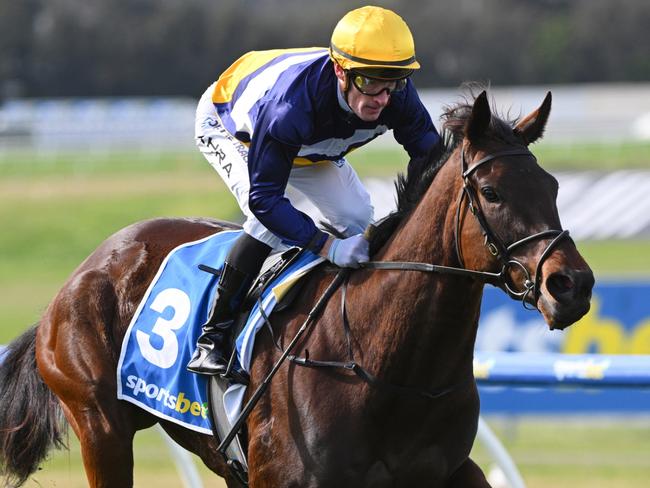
(468, 475)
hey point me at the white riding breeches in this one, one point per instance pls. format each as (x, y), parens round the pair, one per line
(333, 187)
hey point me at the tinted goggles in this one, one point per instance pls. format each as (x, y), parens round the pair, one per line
(373, 86)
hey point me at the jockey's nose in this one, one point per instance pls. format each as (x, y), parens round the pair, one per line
(382, 98)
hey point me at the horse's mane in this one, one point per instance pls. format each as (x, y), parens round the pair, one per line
(421, 171)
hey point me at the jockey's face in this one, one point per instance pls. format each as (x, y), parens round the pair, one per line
(366, 107)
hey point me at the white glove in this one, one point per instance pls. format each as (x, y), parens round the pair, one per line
(348, 253)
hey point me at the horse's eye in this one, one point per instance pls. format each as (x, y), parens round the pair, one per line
(490, 194)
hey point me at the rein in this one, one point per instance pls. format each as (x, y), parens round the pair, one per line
(492, 242)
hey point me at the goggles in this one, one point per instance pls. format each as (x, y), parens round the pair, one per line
(373, 86)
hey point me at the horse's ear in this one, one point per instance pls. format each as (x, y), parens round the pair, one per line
(531, 127)
(479, 121)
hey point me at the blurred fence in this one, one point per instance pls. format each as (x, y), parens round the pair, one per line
(580, 113)
(609, 112)
(96, 125)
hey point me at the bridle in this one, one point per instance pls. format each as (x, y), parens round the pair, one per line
(492, 241)
(530, 290)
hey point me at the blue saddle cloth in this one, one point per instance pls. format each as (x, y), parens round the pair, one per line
(162, 335)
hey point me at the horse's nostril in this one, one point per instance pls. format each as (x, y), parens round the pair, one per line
(559, 284)
(586, 283)
(570, 284)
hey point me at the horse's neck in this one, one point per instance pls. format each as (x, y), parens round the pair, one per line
(430, 319)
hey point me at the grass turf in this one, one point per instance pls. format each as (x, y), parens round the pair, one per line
(368, 161)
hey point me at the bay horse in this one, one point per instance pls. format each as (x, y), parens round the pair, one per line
(478, 202)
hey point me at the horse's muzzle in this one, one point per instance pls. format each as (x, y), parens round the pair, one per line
(566, 296)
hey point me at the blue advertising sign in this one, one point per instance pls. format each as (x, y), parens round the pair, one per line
(618, 323)
(545, 401)
(590, 370)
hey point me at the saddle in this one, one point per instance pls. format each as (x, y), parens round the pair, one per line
(274, 265)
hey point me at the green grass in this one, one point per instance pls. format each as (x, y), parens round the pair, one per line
(574, 452)
(593, 156)
(29, 164)
(552, 157)
(368, 161)
(618, 258)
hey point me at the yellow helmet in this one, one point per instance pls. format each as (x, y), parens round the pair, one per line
(375, 40)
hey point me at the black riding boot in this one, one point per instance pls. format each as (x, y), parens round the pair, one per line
(213, 346)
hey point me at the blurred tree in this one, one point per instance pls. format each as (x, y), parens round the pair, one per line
(177, 47)
(16, 45)
(611, 40)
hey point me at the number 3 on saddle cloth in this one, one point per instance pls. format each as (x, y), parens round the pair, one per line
(163, 332)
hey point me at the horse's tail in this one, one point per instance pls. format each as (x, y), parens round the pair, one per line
(31, 419)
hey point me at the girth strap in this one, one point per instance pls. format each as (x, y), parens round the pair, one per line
(372, 380)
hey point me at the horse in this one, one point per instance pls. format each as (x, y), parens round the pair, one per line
(478, 210)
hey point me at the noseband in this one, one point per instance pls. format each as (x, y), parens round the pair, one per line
(530, 289)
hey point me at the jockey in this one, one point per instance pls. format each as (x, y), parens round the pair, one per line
(289, 117)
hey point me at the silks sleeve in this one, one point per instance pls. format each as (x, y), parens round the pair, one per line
(278, 135)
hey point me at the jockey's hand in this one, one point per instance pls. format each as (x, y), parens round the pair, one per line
(346, 253)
